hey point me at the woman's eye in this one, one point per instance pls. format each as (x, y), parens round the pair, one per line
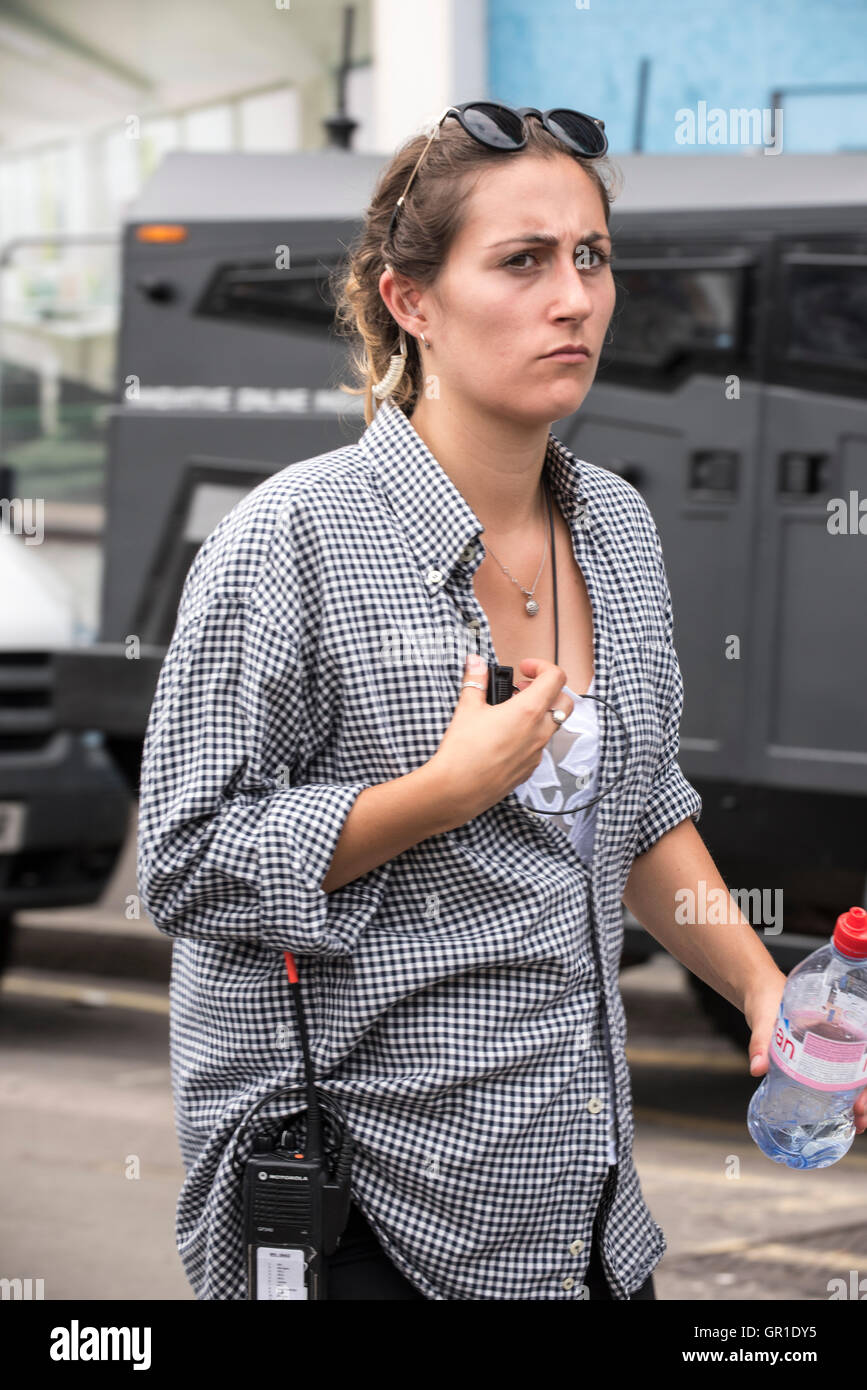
(583, 258)
(583, 254)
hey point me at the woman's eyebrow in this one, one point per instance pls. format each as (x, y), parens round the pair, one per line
(549, 239)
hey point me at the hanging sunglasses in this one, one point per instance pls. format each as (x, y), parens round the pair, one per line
(504, 128)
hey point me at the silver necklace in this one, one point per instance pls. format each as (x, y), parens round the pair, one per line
(531, 605)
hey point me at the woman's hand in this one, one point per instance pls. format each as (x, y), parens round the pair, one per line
(761, 1011)
(488, 750)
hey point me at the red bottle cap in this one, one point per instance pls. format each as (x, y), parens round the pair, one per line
(850, 933)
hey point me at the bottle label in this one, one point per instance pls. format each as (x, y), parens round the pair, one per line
(824, 1064)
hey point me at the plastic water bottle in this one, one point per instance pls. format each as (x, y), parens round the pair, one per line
(801, 1114)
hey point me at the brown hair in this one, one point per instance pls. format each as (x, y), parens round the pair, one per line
(427, 226)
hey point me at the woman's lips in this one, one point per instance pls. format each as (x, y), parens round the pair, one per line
(567, 356)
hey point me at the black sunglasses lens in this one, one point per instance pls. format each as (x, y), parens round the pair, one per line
(495, 125)
(584, 135)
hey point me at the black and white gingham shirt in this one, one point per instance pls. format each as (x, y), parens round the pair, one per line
(462, 999)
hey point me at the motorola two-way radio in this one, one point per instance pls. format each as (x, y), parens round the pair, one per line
(296, 1190)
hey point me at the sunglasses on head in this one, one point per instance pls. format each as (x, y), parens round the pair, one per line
(504, 128)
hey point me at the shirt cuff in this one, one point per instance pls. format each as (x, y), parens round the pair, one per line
(672, 798)
(297, 841)
(287, 853)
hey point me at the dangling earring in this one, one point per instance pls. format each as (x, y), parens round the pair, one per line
(424, 340)
(395, 371)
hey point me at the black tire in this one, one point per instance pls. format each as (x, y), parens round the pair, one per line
(126, 754)
(7, 927)
(725, 1018)
(630, 958)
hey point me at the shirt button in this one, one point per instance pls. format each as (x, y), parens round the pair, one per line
(576, 1247)
(594, 1105)
(469, 551)
(568, 1282)
(435, 576)
(474, 624)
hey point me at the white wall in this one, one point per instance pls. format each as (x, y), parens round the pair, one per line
(427, 56)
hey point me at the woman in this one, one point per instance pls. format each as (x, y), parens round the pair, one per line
(323, 773)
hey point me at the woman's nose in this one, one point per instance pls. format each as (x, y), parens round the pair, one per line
(574, 293)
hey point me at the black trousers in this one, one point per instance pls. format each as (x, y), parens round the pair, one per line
(360, 1268)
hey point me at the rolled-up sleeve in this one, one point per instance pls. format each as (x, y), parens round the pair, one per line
(229, 844)
(672, 797)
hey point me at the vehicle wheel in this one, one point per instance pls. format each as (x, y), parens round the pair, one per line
(630, 958)
(725, 1018)
(7, 927)
(126, 754)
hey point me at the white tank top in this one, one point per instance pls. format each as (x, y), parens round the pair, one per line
(568, 775)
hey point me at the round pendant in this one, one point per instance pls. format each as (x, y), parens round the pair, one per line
(532, 607)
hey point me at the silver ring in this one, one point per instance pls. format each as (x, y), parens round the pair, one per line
(559, 716)
(478, 685)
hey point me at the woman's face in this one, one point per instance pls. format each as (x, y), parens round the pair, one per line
(503, 301)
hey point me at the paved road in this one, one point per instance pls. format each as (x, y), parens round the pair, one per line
(85, 1097)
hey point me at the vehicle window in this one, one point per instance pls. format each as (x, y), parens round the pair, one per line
(258, 292)
(675, 313)
(826, 309)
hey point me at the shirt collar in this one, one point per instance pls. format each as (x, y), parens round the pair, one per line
(438, 520)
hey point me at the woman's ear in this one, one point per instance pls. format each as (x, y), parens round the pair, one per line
(400, 298)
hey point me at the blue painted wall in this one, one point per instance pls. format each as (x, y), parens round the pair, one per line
(551, 52)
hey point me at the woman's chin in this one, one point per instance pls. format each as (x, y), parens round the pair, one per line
(541, 404)
(556, 402)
